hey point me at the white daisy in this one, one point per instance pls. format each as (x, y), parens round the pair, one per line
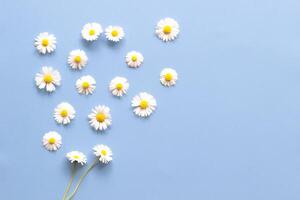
(77, 59)
(143, 104)
(114, 33)
(167, 29)
(77, 157)
(168, 77)
(104, 153)
(91, 31)
(47, 79)
(52, 141)
(86, 85)
(100, 118)
(134, 59)
(64, 113)
(118, 86)
(45, 43)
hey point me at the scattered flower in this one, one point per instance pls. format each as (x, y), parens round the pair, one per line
(100, 118)
(143, 104)
(64, 113)
(114, 33)
(86, 85)
(91, 31)
(76, 156)
(52, 141)
(118, 86)
(77, 59)
(134, 59)
(168, 77)
(104, 153)
(47, 79)
(167, 29)
(45, 43)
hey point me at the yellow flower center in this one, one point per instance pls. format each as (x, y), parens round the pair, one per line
(167, 29)
(77, 59)
(85, 85)
(64, 113)
(45, 42)
(52, 140)
(76, 156)
(168, 77)
(114, 33)
(92, 32)
(48, 78)
(100, 117)
(134, 58)
(119, 86)
(144, 104)
(103, 152)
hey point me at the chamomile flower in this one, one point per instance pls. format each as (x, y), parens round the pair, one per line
(114, 33)
(77, 157)
(167, 29)
(104, 153)
(91, 31)
(100, 118)
(143, 104)
(45, 43)
(64, 113)
(47, 79)
(168, 77)
(86, 85)
(134, 59)
(118, 86)
(52, 141)
(77, 59)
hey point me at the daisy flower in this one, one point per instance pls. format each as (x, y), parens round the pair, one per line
(91, 31)
(47, 79)
(77, 59)
(77, 157)
(64, 113)
(104, 153)
(45, 43)
(168, 77)
(118, 86)
(134, 59)
(114, 33)
(52, 141)
(143, 104)
(167, 29)
(86, 85)
(100, 118)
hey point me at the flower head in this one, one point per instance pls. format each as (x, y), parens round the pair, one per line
(118, 86)
(64, 113)
(77, 59)
(168, 77)
(91, 31)
(52, 141)
(167, 29)
(114, 33)
(45, 43)
(104, 153)
(134, 59)
(100, 118)
(77, 157)
(47, 79)
(86, 85)
(143, 104)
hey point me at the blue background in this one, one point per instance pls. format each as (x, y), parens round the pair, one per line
(229, 130)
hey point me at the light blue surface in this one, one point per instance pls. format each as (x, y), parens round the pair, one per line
(229, 130)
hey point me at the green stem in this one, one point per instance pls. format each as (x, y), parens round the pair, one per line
(82, 177)
(71, 181)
